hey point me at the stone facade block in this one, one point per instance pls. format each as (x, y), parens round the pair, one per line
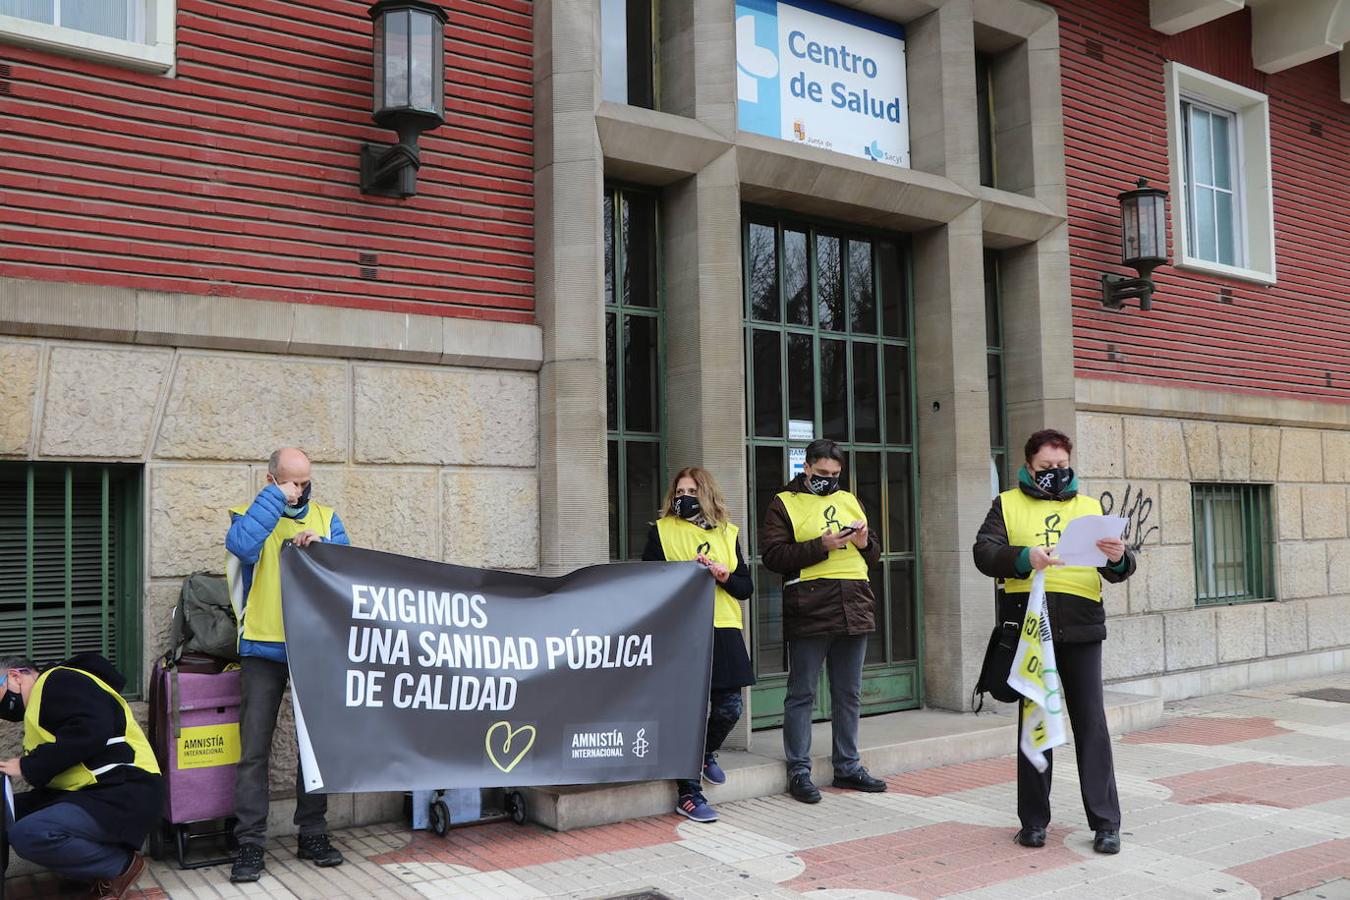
(19, 361)
(1302, 570)
(189, 515)
(244, 406)
(1175, 499)
(157, 619)
(1336, 456)
(1328, 622)
(1242, 631)
(1235, 452)
(1286, 627)
(1165, 579)
(1191, 639)
(1300, 454)
(1289, 511)
(101, 402)
(1134, 647)
(1338, 567)
(490, 519)
(1323, 511)
(411, 415)
(1155, 448)
(1099, 451)
(1202, 450)
(388, 509)
(1265, 454)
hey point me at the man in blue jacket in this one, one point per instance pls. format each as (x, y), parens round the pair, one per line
(281, 512)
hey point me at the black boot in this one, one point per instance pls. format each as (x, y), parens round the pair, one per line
(316, 847)
(248, 863)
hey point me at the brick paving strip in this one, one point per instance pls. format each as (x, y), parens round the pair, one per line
(1242, 795)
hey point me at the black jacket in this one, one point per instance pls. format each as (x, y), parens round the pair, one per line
(127, 801)
(1073, 619)
(825, 606)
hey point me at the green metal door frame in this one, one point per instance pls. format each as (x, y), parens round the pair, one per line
(893, 684)
(620, 437)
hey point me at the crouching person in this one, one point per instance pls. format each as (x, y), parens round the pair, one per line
(97, 790)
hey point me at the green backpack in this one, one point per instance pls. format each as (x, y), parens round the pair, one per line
(203, 620)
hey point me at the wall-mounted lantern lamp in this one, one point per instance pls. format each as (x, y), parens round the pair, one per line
(1143, 246)
(409, 39)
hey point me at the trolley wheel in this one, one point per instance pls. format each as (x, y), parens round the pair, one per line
(158, 846)
(515, 807)
(231, 842)
(440, 818)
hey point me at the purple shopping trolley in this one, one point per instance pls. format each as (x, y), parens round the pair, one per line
(194, 726)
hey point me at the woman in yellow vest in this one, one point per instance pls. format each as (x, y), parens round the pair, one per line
(693, 525)
(1017, 538)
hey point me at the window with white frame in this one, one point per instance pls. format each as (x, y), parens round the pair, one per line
(135, 33)
(1219, 139)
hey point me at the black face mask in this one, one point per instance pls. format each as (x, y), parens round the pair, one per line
(304, 496)
(1054, 481)
(687, 508)
(11, 707)
(822, 485)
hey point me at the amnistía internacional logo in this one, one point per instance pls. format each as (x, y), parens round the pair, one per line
(823, 75)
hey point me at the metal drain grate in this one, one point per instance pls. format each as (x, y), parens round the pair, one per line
(1335, 695)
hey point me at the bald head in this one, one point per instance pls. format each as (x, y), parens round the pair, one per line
(289, 464)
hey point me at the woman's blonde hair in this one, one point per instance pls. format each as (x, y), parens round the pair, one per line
(705, 488)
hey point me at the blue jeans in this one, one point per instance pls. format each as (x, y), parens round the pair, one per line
(66, 839)
(843, 654)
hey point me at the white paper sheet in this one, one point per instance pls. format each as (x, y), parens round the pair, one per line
(1078, 545)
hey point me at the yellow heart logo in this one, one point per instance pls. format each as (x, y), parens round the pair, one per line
(511, 735)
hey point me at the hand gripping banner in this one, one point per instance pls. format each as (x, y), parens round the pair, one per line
(1035, 676)
(408, 674)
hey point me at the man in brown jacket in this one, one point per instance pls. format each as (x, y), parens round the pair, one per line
(815, 535)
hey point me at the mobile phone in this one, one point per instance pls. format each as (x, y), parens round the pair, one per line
(847, 529)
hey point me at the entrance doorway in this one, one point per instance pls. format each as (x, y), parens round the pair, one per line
(828, 354)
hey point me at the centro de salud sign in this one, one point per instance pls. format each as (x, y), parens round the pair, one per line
(819, 74)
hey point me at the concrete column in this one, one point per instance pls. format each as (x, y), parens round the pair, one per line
(1038, 335)
(952, 389)
(940, 64)
(1037, 302)
(569, 273)
(705, 371)
(953, 431)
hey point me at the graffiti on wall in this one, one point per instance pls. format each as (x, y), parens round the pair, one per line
(1135, 508)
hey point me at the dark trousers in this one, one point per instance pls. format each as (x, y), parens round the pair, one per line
(843, 656)
(262, 684)
(1080, 675)
(65, 838)
(724, 711)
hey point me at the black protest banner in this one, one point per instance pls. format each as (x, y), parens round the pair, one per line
(409, 674)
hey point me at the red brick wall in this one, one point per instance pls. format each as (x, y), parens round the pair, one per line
(1292, 338)
(238, 176)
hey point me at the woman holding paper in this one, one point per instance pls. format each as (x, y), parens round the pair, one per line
(694, 526)
(1018, 538)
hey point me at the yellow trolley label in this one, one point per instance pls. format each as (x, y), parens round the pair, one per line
(206, 746)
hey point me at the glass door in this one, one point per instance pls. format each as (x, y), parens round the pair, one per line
(827, 344)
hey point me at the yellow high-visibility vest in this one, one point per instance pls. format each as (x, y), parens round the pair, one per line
(812, 516)
(80, 775)
(683, 540)
(262, 610)
(1039, 523)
